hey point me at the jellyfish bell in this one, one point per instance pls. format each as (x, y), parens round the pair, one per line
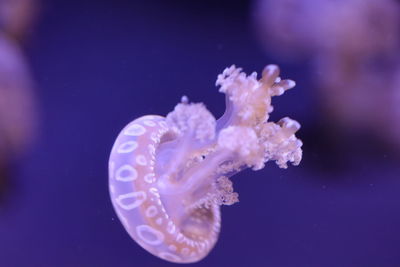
(168, 176)
(297, 30)
(17, 102)
(352, 49)
(18, 114)
(17, 17)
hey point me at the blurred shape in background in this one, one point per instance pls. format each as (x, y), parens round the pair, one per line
(353, 48)
(17, 106)
(17, 17)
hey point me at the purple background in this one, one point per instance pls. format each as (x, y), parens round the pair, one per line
(100, 64)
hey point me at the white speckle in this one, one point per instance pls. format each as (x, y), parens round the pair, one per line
(159, 221)
(135, 200)
(180, 238)
(154, 191)
(202, 246)
(152, 149)
(191, 242)
(151, 211)
(127, 147)
(126, 173)
(135, 130)
(154, 137)
(149, 235)
(171, 227)
(149, 178)
(141, 160)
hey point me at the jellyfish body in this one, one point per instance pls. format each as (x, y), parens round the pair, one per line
(169, 176)
(18, 110)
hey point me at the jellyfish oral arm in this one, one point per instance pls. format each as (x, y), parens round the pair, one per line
(242, 137)
(175, 170)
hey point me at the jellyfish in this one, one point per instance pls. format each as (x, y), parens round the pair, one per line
(293, 30)
(168, 176)
(18, 108)
(17, 18)
(352, 50)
